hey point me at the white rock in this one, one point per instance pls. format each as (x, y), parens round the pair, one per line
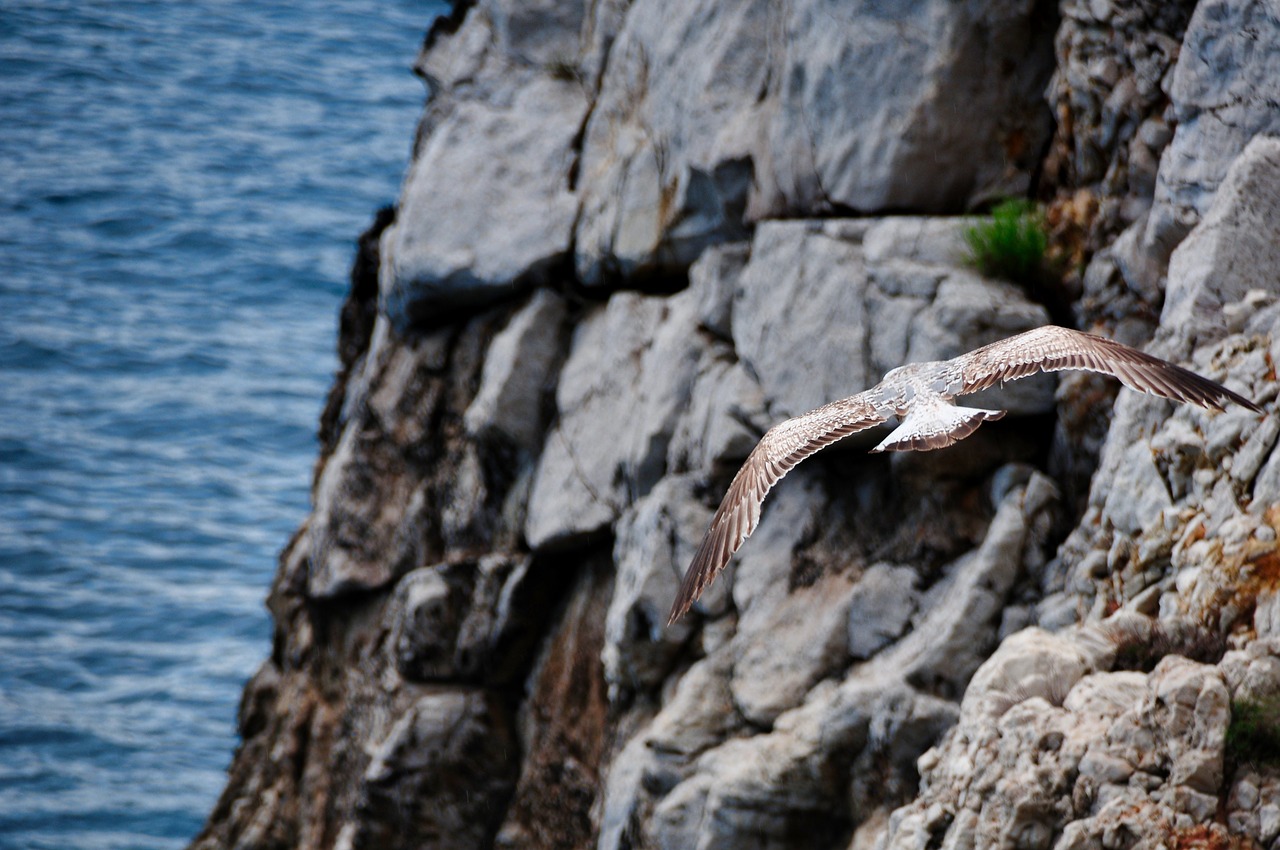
(1127, 755)
(1030, 663)
(929, 241)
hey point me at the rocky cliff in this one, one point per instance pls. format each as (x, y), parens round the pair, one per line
(635, 234)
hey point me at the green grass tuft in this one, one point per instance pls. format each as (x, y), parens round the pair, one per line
(1254, 734)
(1012, 244)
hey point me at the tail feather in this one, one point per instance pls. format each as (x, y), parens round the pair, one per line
(935, 426)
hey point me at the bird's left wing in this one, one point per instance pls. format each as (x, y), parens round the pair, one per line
(784, 446)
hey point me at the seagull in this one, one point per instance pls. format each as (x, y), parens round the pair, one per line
(923, 396)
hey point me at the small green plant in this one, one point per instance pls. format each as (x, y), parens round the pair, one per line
(1254, 734)
(1012, 244)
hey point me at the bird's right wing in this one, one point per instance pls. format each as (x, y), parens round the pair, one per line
(1051, 349)
(784, 446)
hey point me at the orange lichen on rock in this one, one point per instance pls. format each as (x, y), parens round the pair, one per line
(1211, 836)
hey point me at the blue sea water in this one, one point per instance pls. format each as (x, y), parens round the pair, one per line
(181, 184)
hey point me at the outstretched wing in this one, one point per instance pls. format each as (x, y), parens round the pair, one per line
(778, 451)
(1051, 349)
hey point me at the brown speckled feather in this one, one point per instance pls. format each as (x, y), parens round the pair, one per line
(785, 445)
(1052, 349)
(1046, 349)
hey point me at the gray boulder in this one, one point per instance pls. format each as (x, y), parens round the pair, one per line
(883, 602)
(666, 160)
(910, 106)
(519, 371)
(486, 207)
(725, 418)
(1233, 252)
(805, 281)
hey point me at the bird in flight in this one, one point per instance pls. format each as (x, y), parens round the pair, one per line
(923, 396)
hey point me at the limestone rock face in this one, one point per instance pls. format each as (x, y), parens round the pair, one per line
(636, 235)
(1108, 90)
(1220, 98)
(887, 94)
(833, 725)
(628, 383)
(431, 264)
(1184, 501)
(799, 108)
(1055, 749)
(667, 157)
(881, 607)
(1236, 234)
(1117, 730)
(584, 128)
(1222, 93)
(656, 538)
(359, 538)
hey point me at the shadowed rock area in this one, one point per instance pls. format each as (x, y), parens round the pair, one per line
(635, 235)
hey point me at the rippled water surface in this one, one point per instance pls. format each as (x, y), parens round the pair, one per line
(180, 188)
